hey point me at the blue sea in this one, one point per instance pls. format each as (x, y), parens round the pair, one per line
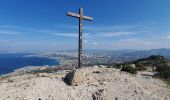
(12, 61)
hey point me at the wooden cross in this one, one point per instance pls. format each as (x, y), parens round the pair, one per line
(80, 16)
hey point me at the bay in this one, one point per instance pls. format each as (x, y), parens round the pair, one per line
(12, 61)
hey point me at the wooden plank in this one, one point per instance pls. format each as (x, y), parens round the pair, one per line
(73, 14)
(78, 16)
(88, 18)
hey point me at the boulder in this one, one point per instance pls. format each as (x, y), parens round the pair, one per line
(80, 76)
(43, 75)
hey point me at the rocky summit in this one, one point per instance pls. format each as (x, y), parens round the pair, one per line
(84, 84)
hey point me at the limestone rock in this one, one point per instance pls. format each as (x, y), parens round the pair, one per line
(80, 76)
(43, 74)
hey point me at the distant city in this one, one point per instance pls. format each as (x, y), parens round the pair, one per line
(68, 58)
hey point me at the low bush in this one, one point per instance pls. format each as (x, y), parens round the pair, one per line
(163, 71)
(130, 69)
(140, 67)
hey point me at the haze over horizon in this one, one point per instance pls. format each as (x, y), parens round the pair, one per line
(118, 24)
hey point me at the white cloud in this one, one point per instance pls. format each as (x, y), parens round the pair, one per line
(67, 34)
(86, 41)
(112, 30)
(85, 35)
(168, 36)
(92, 36)
(42, 31)
(90, 43)
(8, 32)
(7, 43)
(111, 27)
(53, 44)
(95, 43)
(10, 27)
(136, 42)
(112, 34)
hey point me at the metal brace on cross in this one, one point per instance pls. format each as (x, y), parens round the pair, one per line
(80, 16)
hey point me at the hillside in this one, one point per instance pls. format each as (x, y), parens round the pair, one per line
(154, 63)
(146, 53)
(87, 84)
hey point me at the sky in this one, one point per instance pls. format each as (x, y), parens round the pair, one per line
(118, 24)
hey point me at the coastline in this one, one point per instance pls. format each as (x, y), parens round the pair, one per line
(13, 62)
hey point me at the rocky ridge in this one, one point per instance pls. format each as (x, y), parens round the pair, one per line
(84, 84)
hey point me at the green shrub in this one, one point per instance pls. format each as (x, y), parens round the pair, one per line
(152, 61)
(140, 67)
(128, 68)
(163, 71)
(117, 66)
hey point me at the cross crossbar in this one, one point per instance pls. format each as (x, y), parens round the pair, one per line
(78, 16)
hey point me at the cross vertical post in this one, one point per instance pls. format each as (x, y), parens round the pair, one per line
(81, 17)
(80, 37)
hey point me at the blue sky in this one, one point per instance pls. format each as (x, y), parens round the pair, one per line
(118, 24)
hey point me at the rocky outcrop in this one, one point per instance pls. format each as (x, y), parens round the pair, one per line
(90, 76)
(80, 76)
(87, 84)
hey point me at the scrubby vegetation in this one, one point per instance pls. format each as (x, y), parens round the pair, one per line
(45, 70)
(163, 71)
(155, 62)
(152, 61)
(129, 68)
(140, 67)
(160, 63)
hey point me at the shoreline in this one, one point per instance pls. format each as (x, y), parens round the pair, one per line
(10, 68)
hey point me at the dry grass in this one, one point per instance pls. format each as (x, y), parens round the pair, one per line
(3, 78)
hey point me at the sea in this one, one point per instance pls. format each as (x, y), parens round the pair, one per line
(12, 61)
